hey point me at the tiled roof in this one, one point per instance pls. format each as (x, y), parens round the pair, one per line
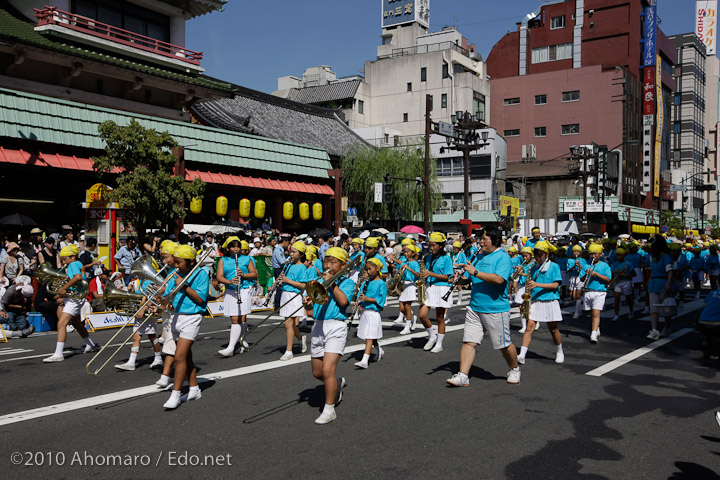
(22, 31)
(47, 119)
(326, 93)
(258, 113)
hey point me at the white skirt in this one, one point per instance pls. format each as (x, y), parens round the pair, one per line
(518, 295)
(575, 283)
(370, 326)
(435, 294)
(638, 277)
(230, 304)
(292, 309)
(545, 311)
(409, 293)
(355, 275)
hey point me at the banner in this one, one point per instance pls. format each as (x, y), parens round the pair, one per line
(512, 202)
(576, 206)
(650, 39)
(658, 128)
(706, 24)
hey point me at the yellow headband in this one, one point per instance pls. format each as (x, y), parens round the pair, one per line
(437, 237)
(413, 248)
(310, 256)
(457, 244)
(359, 241)
(186, 251)
(300, 247)
(311, 250)
(375, 262)
(372, 242)
(229, 240)
(337, 252)
(595, 248)
(70, 251)
(168, 247)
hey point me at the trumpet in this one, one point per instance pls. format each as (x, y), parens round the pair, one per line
(58, 278)
(516, 274)
(316, 291)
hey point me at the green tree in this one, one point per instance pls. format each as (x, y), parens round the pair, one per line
(146, 184)
(363, 166)
(674, 223)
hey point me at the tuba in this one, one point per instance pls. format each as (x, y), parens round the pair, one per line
(146, 268)
(122, 302)
(56, 279)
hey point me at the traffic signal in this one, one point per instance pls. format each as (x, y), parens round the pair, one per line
(387, 192)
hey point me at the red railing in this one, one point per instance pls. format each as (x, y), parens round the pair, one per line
(53, 16)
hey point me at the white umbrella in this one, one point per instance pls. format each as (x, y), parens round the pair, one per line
(382, 230)
(364, 234)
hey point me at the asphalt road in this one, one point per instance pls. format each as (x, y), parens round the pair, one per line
(651, 417)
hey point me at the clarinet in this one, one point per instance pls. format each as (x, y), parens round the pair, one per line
(237, 274)
(357, 300)
(276, 285)
(457, 280)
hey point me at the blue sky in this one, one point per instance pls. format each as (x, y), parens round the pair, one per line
(251, 43)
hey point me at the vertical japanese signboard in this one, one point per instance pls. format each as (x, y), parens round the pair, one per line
(649, 93)
(706, 24)
(658, 128)
(650, 40)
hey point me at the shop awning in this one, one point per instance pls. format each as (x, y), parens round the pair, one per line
(39, 159)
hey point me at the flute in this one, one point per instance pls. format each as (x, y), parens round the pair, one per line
(238, 274)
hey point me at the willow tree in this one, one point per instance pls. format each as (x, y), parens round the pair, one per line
(146, 182)
(364, 165)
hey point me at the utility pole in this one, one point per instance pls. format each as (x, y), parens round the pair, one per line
(426, 179)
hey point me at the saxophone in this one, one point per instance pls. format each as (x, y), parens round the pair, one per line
(395, 288)
(421, 285)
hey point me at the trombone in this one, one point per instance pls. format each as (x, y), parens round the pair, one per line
(317, 292)
(146, 268)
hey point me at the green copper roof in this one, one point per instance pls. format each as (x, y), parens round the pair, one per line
(46, 119)
(12, 28)
(479, 216)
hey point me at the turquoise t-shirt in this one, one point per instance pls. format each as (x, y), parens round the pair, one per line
(331, 310)
(200, 283)
(296, 272)
(624, 266)
(594, 283)
(547, 273)
(408, 276)
(441, 265)
(311, 273)
(659, 273)
(377, 289)
(572, 270)
(488, 297)
(75, 268)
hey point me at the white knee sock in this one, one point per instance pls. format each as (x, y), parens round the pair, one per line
(59, 347)
(559, 348)
(523, 351)
(440, 338)
(89, 342)
(133, 357)
(328, 408)
(366, 358)
(460, 297)
(578, 307)
(524, 321)
(431, 332)
(408, 323)
(158, 356)
(235, 331)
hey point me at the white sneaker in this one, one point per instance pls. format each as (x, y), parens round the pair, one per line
(646, 310)
(54, 358)
(173, 402)
(594, 336)
(341, 386)
(399, 320)
(537, 325)
(406, 330)
(522, 330)
(361, 364)
(616, 318)
(457, 380)
(69, 329)
(653, 335)
(513, 376)
(430, 343)
(326, 418)
(94, 348)
(128, 367)
(157, 363)
(521, 360)
(226, 352)
(163, 382)
(303, 342)
(717, 417)
(191, 395)
(380, 355)
(287, 356)
(447, 320)
(437, 349)
(559, 357)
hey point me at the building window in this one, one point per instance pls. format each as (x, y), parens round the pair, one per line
(677, 127)
(572, 129)
(479, 106)
(540, 99)
(423, 74)
(405, 117)
(450, 167)
(540, 132)
(409, 87)
(515, 132)
(125, 15)
(678, 99)
(443, 100)
(445, 73)
(557, 22)
(387, 138)
(572, 96)
(361, 107)
(552, 53)
(511, 101)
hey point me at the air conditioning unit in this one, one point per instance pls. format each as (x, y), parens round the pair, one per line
(456, 204)
(524, 152)
(446, 204)
(532, 152)
(477, 207)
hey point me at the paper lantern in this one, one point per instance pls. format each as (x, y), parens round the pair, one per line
(196, 205)
(317, 211)
(304, 211)
(260, 209)
(221, 205)
(244, 208)
(288, 208)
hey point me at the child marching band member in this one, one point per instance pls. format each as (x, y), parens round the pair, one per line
(515, 260)
(188, 306)
(314, 272)
(237, 272)
(459, 260)
(69, 308)
(635, 260)
(543, 282)
(561, 260)
(329, 333)
(399, 262)
(409, 294)
(697, 267)
(292, 282)
(167, 251)
(371, 251)
(595, 277)
(661, 278)
(623, 285)
(489, 309)
(373, 294)
(679, 267)
(523, 269)
(575, 265)
(356, 250)
(437, 272)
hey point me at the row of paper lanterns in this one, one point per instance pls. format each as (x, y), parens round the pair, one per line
(221, 208)
(650, 230)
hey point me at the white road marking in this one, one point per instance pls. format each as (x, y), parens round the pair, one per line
(225, 374)
(619, 362)
(13, 351)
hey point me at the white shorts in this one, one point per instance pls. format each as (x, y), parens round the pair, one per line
(545, 311)
(72, 306)
(292, 309)
(370, 326)
(575, 283)
(328, 336)
(623, 287)
(565, 278)
(409, 293)
(168, 347)
(496, 325)
(594, 300)
(638, 277)
(185, 326)
(518, 295)
(230, 304)
(656, 299)
(435, 294)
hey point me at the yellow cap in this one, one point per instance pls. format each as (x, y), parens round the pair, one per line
(407, 241)
(375, 262)
(312, 256)
(457, 244)
(70, 251)
(620, 251)
(527, 250)
(311, 250)
(523, 239)
(543, 246)
(359, 241)
(244, 245)
(414, 248)
(437, 237)
(337, 252)
(372, 242)
(229, 240)
(168, 247)
(512, 249)
(595, 248)
(300, 247)
(577, 248)
(186, 251)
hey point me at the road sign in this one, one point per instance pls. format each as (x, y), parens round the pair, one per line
(378, 192)
(352, 212)
(678, 188)
(708, 228)
(445, 128)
